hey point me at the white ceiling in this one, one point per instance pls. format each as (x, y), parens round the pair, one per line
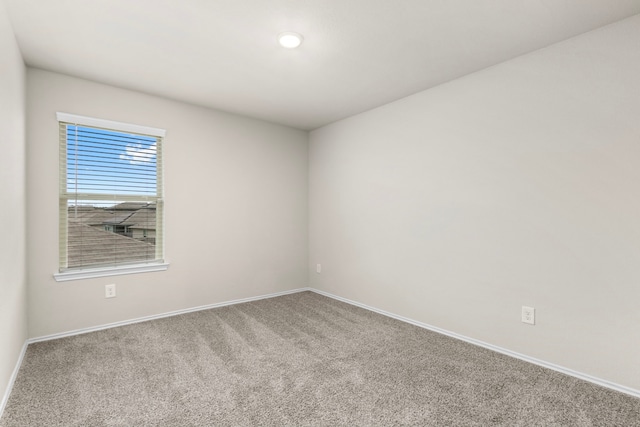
(357, 54)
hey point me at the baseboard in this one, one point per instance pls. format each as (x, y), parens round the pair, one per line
(12, 379)
(160, 316)
(561, 369)
(14, 375)
(552, 366)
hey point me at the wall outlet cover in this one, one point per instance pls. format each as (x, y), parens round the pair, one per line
(528, 315)
(110, 291)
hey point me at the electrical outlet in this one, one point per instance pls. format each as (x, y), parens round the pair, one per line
(528, 315)
(318, 268)
(110, 291)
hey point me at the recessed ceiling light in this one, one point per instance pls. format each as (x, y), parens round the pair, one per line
(290, 40)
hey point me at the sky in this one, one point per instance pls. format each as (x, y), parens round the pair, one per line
(108, 162)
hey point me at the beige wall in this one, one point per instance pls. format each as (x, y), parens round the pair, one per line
(517, 185)
(456, 206)
(235, 218)
(13, 283)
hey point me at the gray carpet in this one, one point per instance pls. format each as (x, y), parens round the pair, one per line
(300, 360)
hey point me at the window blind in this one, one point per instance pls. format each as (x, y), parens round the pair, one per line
(111, 205)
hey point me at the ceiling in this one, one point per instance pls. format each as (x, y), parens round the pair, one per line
(356, 55)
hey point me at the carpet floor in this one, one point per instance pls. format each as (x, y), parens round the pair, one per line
(296, 360)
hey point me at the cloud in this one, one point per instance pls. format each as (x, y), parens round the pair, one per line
(137, 154)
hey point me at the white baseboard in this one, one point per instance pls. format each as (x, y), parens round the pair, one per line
(561, 369)
(160, 316)
(585, 377)
(12, 380)
(5, 398)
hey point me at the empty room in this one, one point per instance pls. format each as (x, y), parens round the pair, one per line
(320, 213)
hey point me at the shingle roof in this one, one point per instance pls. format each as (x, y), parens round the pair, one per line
(90, 216)
(142, 219)
(119, 218)
(90, 246)
(132, 206)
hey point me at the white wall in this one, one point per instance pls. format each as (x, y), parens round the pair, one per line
(235, 210)
(13, 283)
(517, 185)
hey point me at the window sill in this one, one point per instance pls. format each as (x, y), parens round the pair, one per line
(108, 271)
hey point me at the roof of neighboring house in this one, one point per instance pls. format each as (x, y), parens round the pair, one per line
(91, 216)
(133, 206)
(140, 218)
(121, 218)
(143, 219)
(92, 246)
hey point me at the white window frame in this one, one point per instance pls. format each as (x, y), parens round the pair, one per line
(91, 272)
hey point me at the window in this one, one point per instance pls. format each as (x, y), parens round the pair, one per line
(111, 205)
